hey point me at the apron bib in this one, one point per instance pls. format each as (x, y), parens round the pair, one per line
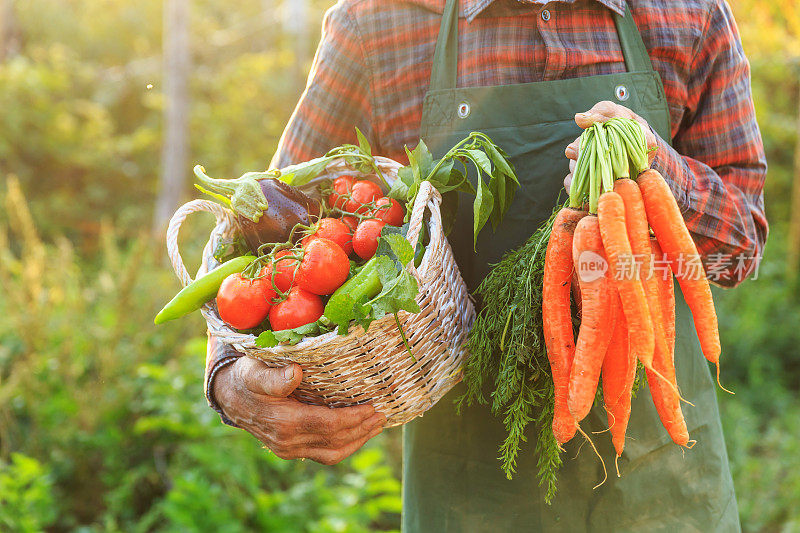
(452, 481)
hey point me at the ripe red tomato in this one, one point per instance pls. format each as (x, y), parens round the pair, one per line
(244, 303)
(324, 267)
(365, 239)
(341, 186)
(364, 192)
(298, 309)
(389, 210)
(335, 230)
(350, 222)
(285, 271)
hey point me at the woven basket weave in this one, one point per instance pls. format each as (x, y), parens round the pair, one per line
(374, 366)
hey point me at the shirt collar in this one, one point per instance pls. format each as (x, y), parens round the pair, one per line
(469, 9)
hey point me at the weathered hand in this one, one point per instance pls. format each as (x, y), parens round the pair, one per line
(255, 397)
(601, 112)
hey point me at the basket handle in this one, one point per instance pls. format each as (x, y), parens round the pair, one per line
(174, 227)
(430, 197)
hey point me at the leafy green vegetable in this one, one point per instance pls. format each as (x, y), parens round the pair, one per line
(490, 162)
(399, 291)
(382, 286)
(270, 339)
(358, 157)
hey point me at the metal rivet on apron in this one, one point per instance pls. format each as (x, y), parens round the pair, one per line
(463, 110)
(622, 93)
(545, 15)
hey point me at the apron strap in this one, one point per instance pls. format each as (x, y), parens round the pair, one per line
(633, 49)
(444, 70)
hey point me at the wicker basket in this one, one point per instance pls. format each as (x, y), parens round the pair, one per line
(373, 366)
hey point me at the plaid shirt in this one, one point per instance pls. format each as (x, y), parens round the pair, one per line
(373, 66)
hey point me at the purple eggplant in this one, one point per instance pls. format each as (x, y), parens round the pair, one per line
(266, 208)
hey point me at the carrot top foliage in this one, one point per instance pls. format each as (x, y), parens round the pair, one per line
(507, 349)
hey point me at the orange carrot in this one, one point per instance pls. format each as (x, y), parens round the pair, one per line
(666, 296)
(557, 317)
(611, 213)
(665, 218)
(619, 371)
(639, 237)
(664, 397)
(597, 316)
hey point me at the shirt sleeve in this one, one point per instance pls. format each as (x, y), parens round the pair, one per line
(717, 167)
(336, 100)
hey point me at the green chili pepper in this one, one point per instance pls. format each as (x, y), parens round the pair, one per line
(356, 291)
(193, 296)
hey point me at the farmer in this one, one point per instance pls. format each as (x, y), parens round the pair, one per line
(520, 71)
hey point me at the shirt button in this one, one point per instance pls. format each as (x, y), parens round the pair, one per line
(545, 15)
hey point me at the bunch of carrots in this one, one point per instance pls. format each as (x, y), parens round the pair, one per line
(615, 202)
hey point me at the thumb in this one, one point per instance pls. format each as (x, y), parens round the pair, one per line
(258, 378)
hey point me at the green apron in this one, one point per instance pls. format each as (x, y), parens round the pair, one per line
(452, 480)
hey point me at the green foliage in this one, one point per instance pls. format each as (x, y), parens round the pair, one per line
(112, 407)
(507, 347)
(761, 363)
(26, 499)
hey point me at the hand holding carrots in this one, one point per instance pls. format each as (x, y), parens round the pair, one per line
(621, 213)
(603, 112)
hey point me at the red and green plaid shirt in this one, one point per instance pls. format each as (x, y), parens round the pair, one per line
(373, 66)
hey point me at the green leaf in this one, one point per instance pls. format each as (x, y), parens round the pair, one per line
(500, 161)
(399, 291)
(458, 182)
(481, 209)
(396, 247)
(267, 339)
(270, 339)
(497, 184)
(423, 158)
(443, 175)
(400, 186)
(363, 143)
(481, 160)
(302, 173)
(419, 249)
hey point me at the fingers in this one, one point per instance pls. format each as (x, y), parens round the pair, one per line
(257, 377)
(345, 436)
(568, 181)
(259, 403)
(318, 420)
(602, 112)
(333, 456)
(572, 149)
(335, 433)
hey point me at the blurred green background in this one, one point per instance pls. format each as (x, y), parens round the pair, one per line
(103, 424)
